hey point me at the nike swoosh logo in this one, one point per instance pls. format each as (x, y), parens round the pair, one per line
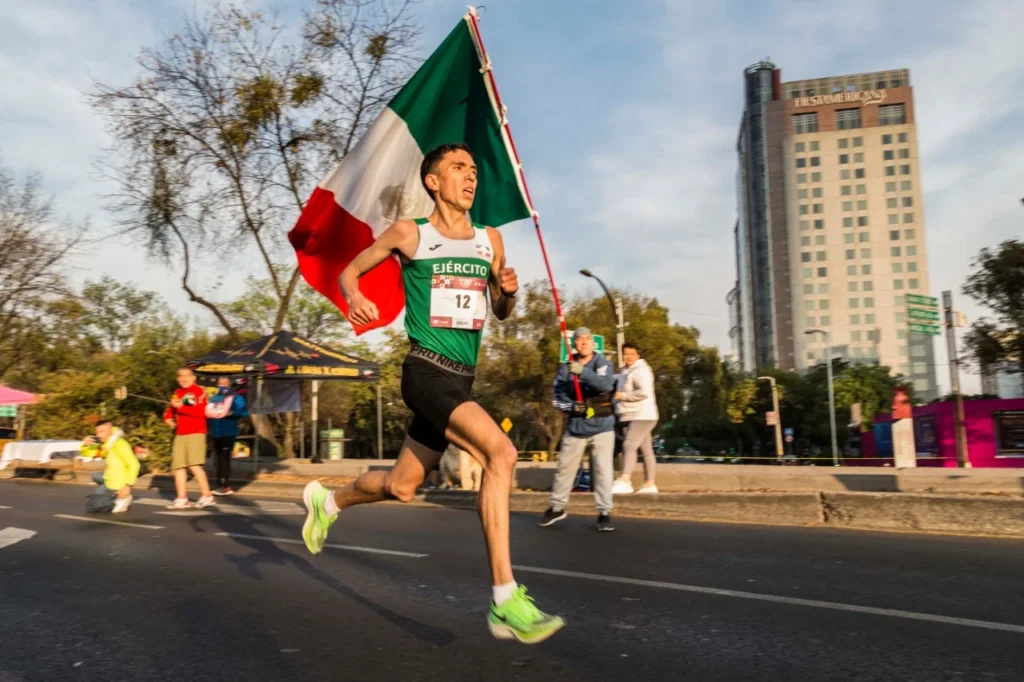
(434, 247)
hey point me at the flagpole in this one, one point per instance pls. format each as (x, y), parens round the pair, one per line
(472, 18)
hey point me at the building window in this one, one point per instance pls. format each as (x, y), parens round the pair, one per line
(819, 208)
(864, 237)
(848, 222)
(816, 192)
(823, 304)
(803, 209)
(862, 204)
(902, 352)
(908, 217)
(913, 284)
(911, 250)
(859, 173)
(848, 238)
(814, 146)
(819, 224)
(805, 123)
(908, 202)
(851, 286)
(801, 163)
(865, 269)
(808, 288)
(900, 301)
(847, 119)
(805, 241)
(846, 190)
(862, 189)
(819, 240)
(858, 157)
(891, 202)
(897, 284)
(894, 251)
(844, 142)
(900, 317)
(865, 253)
(904, 153)
(886, 139)
(844, 158)
(869, 286)
(855, 336)
(911, 267)
(889, 170)
(808, 273)
(822, 272)
(844, 175)
(823, 288)
(894, 235)
(894, 219)
(887, 155)
(891, 115)
(862, 221)
(847, 205)
(904, 170)
(858, 142)
(809, 304)
(851, 254)
(802, 194)
(805, 224)
(816, 161)
(801, 178)
(869, 302)
(897, 267)
(901, 334)
(902, 137)
(801, 147)
(906, 185)
(805, 257)
(853, 303)
(809, 321)
(909, 234)
(851, 270)
(816, 177)
(890, 187)
(819, 256)
(825, 320)
(854, 319)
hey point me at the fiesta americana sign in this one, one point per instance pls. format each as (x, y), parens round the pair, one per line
(864, 97)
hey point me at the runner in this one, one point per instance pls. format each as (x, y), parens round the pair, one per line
(447, 263)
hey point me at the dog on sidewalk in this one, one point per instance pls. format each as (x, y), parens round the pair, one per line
(459, 468)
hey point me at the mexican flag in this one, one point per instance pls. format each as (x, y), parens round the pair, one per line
(452, 98)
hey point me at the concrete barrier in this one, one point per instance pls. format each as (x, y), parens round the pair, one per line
(962, 514)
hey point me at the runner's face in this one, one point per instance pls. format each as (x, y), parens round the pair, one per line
(456, 178)
(186, 378)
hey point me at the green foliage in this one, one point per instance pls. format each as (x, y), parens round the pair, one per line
(997, 282)
(869, 385)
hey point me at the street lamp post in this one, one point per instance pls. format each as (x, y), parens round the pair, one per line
(831, 391)
(778, 414)
(620, 325)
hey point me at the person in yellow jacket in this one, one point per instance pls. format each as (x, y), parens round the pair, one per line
(114, 486)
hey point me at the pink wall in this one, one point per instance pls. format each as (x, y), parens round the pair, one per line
(981, 437)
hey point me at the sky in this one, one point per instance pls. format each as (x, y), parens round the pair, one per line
(625, 115)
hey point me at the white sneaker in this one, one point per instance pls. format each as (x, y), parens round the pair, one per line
(122, 505)
(204, 502)
(180, 503)
(622, 487)
(649, 489)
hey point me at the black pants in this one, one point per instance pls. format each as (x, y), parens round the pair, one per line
(222, 447)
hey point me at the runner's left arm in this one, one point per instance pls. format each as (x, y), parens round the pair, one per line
(503, 283)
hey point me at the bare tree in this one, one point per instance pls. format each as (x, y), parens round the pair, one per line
(219, 141)
(34, 254)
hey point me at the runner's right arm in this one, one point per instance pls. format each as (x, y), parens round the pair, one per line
(402, 237)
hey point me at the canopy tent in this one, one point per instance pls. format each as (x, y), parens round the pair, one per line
(11, 396)
(283, 356)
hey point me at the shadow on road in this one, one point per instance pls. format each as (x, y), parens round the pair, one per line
(266, 552)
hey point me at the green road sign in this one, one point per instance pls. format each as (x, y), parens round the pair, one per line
(923, 314)
(598, 348)
(922, 301)
(919, 328)
(8, 410)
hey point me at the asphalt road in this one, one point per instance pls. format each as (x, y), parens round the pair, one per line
(200, 596)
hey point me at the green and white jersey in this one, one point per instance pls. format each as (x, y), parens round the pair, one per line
(446, 296)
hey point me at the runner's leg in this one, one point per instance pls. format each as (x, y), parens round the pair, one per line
(400, 483)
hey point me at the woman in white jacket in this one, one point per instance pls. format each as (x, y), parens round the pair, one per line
(638, 409)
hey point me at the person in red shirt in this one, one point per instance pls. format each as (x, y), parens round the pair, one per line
(187, 416)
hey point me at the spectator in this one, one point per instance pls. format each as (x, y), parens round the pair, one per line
(223, 412)
(591, 422)
(114, 485)
(187, 416)
(638, 410)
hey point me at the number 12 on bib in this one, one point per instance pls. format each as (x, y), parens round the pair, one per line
(458, 302)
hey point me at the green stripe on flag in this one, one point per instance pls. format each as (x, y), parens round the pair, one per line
(446, 101)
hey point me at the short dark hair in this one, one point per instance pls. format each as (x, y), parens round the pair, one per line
(104, 422)
(630, 344)
(434, 157)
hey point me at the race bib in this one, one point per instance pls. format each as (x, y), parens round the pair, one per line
(457, 302)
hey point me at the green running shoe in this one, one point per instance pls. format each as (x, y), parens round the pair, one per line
(519, 619)
(314, 530)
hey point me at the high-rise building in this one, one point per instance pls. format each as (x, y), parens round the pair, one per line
(830, 226)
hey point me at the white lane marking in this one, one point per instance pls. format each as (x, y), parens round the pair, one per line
(151, 501)
(234, 511)
(11, 535)
(776, 599)
(113, 523)
(4, 506)
(350, 548)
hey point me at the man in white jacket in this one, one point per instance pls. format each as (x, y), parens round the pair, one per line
(638, 410)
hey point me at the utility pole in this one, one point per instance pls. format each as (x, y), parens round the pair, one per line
(778, 415)
(620, 330)
(831, 391)
(962, 457)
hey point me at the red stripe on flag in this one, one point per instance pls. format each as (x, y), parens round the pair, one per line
(326, 239)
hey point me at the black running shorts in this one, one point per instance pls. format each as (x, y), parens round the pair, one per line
(433, 392)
